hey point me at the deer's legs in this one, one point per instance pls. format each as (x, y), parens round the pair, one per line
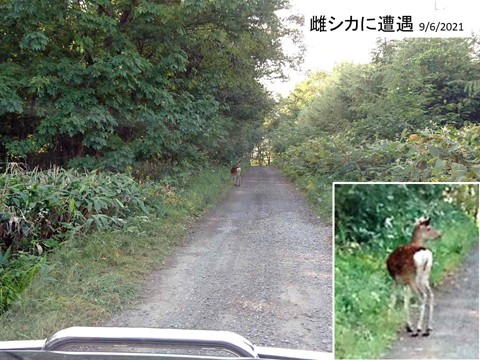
(430, 310)
(393, 297)
(406, 307)
(422, 291)
(423, 300)
(418, 294)
(393, 300)
(425, 294)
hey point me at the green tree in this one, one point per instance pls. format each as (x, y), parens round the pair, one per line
(110, 82)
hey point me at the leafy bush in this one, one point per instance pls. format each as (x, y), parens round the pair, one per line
(40, 208)
(16, 274)
(411, 114)
(94, 275)
(446, 154)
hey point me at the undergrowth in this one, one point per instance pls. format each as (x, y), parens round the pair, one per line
(41, 209)
(95, 274)
(445, 154)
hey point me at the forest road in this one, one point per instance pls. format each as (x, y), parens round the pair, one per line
(259, 264)
(455, 325)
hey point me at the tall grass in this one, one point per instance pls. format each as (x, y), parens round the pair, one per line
(41, 209)
(101, 270)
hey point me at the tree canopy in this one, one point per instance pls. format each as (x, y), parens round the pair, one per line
(105, 83)
(412, 113)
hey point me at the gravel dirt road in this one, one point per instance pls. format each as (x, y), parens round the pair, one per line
(455, 328)
(259, 264)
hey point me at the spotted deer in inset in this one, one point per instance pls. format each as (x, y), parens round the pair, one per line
(410, 266)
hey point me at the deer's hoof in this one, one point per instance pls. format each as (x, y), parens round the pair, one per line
(427, 332)
(408, 328)
(416, 333)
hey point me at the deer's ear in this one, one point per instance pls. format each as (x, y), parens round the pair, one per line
(422, 221)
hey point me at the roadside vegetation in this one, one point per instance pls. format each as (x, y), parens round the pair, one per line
(411, 114)
(97, 272)
(370, 222)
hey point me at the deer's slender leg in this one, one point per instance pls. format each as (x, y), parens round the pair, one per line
(393, 300)
(393, 296)
(423, 260)
(422, 296)
(430, 310)
(406, 307)
(418, 294)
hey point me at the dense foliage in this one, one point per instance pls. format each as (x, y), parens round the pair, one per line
(39, 207)
(370, 222)
(107, 83)
(40, 210)
(413, 113)
(93, 276)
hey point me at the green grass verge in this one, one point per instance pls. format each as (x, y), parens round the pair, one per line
(91, 277)
(363, 325)
(317, 191)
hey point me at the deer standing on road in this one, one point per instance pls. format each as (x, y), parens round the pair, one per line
(410, 265)
(235, 171)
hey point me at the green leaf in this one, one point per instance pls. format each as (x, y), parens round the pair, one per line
(4, 257)
(36, 41)
(458, 172)
(439, 166)
(436, 151)
(72, 204)
(97, 206)
(88, 224)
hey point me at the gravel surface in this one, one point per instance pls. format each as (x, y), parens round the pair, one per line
(259, 264)
(455, 315)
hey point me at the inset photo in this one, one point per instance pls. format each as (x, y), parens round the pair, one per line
(406, 270)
